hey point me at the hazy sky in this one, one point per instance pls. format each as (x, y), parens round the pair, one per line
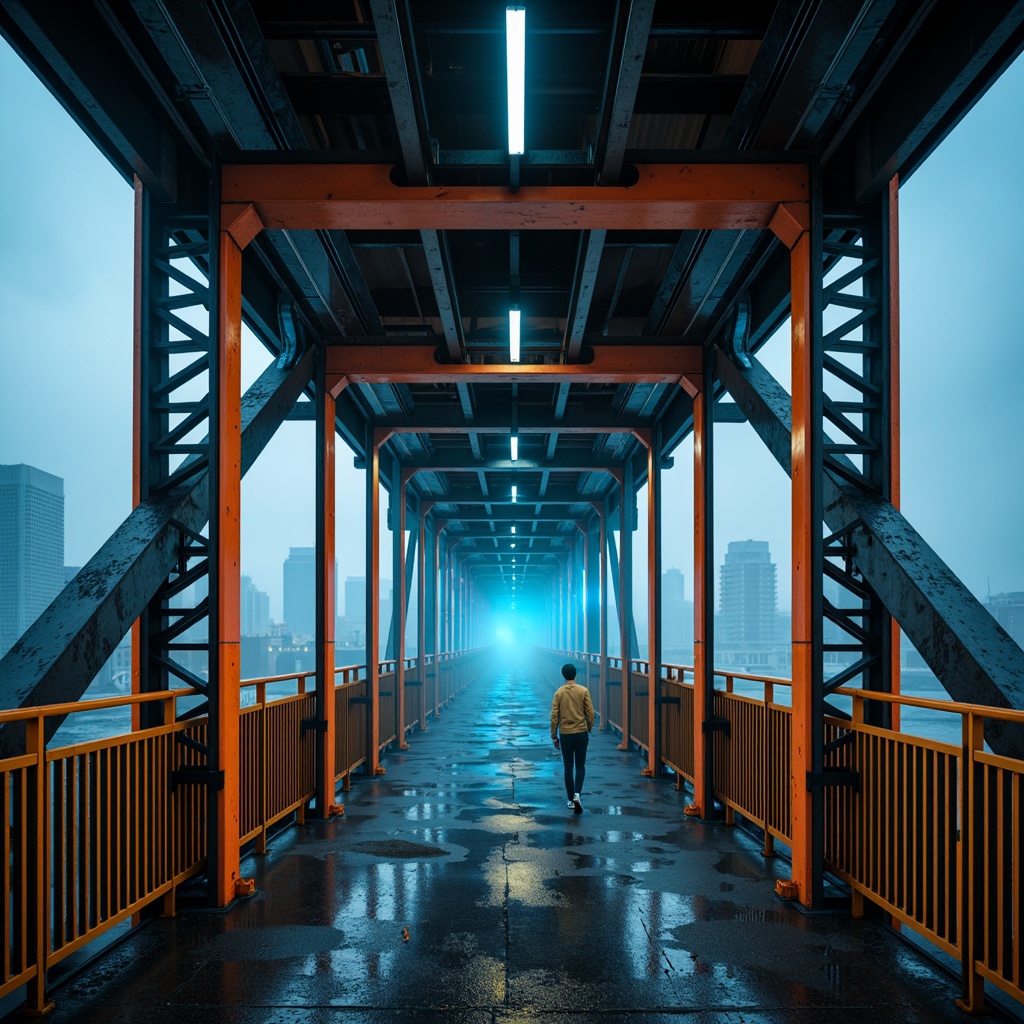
(66, 361)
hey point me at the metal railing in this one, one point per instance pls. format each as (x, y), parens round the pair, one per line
(931, 833)
(95, 832)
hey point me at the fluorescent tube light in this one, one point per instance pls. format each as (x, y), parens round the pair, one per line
(514, 319)
(515, 44)
(514, 441)
(515, 491)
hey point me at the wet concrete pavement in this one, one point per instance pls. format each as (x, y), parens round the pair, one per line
(516, 909)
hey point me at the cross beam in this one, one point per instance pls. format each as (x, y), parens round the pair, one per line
(676, 197)
(417, 364)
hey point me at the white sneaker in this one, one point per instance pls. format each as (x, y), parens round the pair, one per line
(571, 806)
(575, 803)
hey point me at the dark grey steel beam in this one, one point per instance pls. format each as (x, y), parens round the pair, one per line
(463, 461)
(448, 419)
(973, 657)
(929, 85)
(58, 656)
(71, 48)
(508, 513)
(558, 495)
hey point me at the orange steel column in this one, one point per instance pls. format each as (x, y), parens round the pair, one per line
(137, 406)
(400, 620)
(326, 603)
(806, 534)
(894, 407)
(601, 510)
(702, 711)
(373, 601)
(623, 606)
(226, 437)
(436, 584)
(421, 611)
(648, 438)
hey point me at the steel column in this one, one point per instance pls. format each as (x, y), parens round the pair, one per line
(421, 610)
(326, 597)
(603, 513)
(652, 440)
(373, 442)
(894, 412)
(398, 608)
(225, 576)
(703, 598)
(626, 494)
(806, 754)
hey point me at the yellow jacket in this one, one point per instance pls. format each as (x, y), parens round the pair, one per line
(571, 710)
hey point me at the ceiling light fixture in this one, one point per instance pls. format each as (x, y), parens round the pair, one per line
(514, 447)
(515, 48)
(515, 491)
(514, 321)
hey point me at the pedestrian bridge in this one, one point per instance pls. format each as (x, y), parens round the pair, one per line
(452, 880)
(512, 329)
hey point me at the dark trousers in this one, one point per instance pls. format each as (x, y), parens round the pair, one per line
(574, 752)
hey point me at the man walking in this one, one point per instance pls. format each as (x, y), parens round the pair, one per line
(572, 718)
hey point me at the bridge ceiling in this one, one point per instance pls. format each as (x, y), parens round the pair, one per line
(170, 89)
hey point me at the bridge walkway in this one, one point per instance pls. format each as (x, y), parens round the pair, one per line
(515, 909)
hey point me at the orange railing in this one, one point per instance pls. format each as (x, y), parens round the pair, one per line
(932, 833)
(95, 832)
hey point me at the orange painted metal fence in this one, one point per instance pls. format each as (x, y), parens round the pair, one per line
(94, 833)
(932, 833)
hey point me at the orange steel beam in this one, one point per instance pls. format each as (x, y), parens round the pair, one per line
(415, 364)
(625, 536)
(421, 611)
(373, 608)
(137, 414)
(653, 604)
(894, 407)
(603, 592)
(672, 197)
(402, 598)
(436, 584)
(702, 784)
(325, 783)
(223, 869)
(806, 534)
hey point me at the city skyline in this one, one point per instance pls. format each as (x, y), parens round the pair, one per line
(960, 214)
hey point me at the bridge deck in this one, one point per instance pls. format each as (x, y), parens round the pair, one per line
(516, 910)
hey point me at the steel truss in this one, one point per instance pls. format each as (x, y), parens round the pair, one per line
(173, 395)
(860, 422)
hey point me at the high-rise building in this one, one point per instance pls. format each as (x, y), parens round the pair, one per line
(300, 591)
(355, 599)
(255, 609)
(747, 618)
(676, 612)
(1008, 611)
(31, 547)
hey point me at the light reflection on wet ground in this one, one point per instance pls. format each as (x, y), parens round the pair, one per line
(459, 888)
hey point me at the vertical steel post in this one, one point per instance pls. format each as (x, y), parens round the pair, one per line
(139, 428)
(421, 610)
(806, 754)
(398, 611)
(602, 512)
(652, 440)
(436, 586)
(626, 494)
(893, 240)
(326, 598)
(373, 442)
(703, 597)
(225, 578)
